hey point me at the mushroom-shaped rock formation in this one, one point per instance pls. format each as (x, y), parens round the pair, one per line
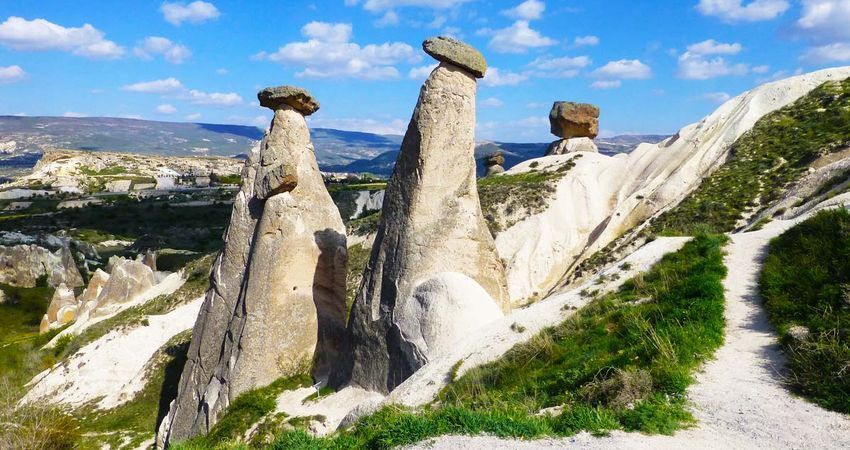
(494, 163)
(276, 304)
(450, 50)
(431, 233)
(577, 124)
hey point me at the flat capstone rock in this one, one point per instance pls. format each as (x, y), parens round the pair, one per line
(453, 51)
(296, 97)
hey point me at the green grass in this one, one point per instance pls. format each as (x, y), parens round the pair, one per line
(616, 364)
(805, 282)
(358, 257)
(109, 170)
(248, 408)
(763, 162)
(20, 341)
(365, 225)
(507, 199)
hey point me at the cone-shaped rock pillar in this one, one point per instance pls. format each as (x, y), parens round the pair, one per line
(276, 303)
(434, 271)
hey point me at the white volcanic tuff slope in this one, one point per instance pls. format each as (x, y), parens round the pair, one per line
(603, 197)
(111, 369)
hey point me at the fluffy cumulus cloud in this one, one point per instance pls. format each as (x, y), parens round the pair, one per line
(606, 84)
(563, 67)
(328, 52)
(826, 25)
(173, 88)
(165, 108)
(170, 51)
(176, 13)
(11, 74)
(421, 72)
(705, 60)
(739, 11)
(491, 102)
(495, 77)
(624, 69)
(716, 97)
(527, 10)
(519, 37)
(582, 41)
(822, 54)
(38, 35)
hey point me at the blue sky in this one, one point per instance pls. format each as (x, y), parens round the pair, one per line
(651, 66)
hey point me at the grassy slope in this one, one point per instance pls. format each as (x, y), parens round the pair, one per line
(764, 161)
(623, 362)
(806, 282)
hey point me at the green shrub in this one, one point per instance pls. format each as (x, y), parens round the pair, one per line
(805, 282)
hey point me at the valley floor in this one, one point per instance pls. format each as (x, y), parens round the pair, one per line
(739, 399)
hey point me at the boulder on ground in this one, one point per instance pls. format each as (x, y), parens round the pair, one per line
(572, 120)
(431, 223)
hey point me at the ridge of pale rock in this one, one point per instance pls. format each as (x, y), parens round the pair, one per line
(276, 302)
(452, 51)
(432, 245)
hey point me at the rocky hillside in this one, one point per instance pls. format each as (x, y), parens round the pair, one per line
(22, 139)
(544, 301)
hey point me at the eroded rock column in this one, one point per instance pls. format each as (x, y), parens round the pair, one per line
(276, 304)
(434, 274)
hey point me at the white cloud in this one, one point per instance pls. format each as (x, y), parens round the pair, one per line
(837, 52)
(11, 74)
(390, 18)
(39, 34)
(716, 97)
(694, 64)
(712, 47)
(606, 84)
(761, 69)
(737, 11)
(624, 69)
(329, 53)
(74, 114)
(490, 102)
(383, 5)
(221, 71)
(537, 105)
(517, 38)
(495, 77)
(156, 45)
(563, 67)
(165, 108)
(422, 72)
(825, 20)
(193, 117)
(173, 88)
(196, 12)
(387, 126)
(527, 10)
(162, 87)
(589, 40)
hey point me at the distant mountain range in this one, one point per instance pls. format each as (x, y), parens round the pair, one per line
(336, 150)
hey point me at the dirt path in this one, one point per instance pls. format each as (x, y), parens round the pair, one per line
(739, 399)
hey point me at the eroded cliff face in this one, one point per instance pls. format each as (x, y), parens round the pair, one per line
(432, 246)
(276, 302)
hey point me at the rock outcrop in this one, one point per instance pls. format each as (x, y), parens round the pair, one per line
(61, 310)
(494, 163)
(432, 234)
(276, 302)
(23, 265)
(577, 124)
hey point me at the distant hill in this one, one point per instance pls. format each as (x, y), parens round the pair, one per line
(336, 150)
